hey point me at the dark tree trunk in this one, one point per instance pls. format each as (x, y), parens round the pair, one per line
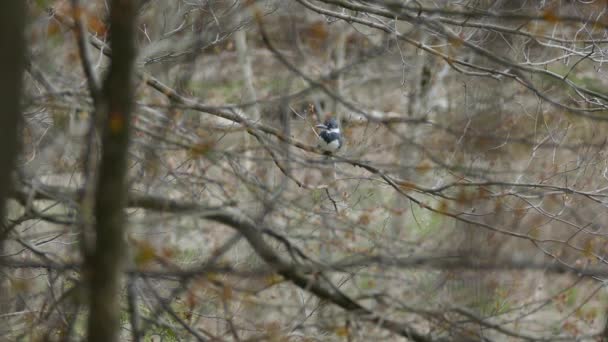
(12, 61)
(105, 262)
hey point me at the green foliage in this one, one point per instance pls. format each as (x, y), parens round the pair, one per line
(571, 296)
(367, 282)
(423, 222)
(43, 4)
(502, 302)
(227, 90)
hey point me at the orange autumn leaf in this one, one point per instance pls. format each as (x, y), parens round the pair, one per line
(550, 16)
(405, 185)
(53, 28)
(77, 12)
(318, 31)
(456, 41)
(273, 279)
(201, 149)
(145, 253)
(588, 250)
(341, 331)
(364, 219)
(96, 25)
(443, 206)
(424, 167)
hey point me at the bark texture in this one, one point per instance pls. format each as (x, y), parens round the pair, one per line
(12, 61)
(106, 262)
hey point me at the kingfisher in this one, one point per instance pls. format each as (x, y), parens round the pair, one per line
(331, 138)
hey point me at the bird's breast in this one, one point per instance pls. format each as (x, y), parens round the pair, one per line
(330, 146)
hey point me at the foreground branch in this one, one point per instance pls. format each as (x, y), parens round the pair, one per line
(12, 62)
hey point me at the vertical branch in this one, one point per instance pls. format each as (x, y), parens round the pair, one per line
(418, 88)
(12, 63)
(89, 152)
(133, 312)
(83, 49)
(340, 61)
(240, 41)
(105, 263)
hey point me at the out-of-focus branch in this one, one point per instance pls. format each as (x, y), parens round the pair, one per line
(357, 262)
(311, 283)
(299, 274)
(83, 49)
(133, 309)
(254, 235)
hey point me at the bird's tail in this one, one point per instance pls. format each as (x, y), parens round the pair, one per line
(328, 170)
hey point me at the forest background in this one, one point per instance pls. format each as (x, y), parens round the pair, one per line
(160, 178)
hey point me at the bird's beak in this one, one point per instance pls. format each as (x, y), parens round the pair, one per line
(321, 126)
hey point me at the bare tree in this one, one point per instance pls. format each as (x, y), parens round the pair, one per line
(467, 203)
(113, 109)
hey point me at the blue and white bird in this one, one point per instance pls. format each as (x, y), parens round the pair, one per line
(331, 138)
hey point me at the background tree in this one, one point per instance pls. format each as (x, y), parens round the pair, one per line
(467, 203)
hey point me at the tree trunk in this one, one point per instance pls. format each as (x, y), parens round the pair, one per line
(12, 61)
(105, 262)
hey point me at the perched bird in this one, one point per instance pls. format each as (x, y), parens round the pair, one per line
(331, 138)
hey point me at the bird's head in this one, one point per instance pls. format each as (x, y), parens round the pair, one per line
(329, 124)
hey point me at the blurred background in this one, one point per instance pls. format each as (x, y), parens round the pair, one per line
(468, 201)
